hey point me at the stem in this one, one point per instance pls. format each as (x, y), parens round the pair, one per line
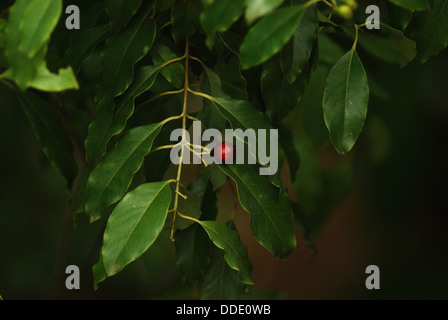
(356, 37)
(201, 94)
(7, 83)
(168, 93)
(188, 217)
(163, 65)
(165, 25)
(171, 119)
(184, 127)
(163, 147)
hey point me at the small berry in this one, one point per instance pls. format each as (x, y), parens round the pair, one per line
(345, 12)
(223, 152)
(352, 4)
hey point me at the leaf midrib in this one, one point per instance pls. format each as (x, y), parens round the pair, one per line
(352, 52)
(37, 28)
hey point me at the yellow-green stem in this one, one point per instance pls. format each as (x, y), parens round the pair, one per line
(184, 127)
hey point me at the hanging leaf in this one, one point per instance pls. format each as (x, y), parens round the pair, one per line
(220, 282)
(345, 101)
(406, 48)
(281, 96)
(295, 56)
(193, 252)
(173, 73)
(109, 181)
(286, 140)
(99, 272)
(108, 124)
(46, 81)
(82, 45)
(235, 251)
(219, 16)
(123, 50)
(185, 16)
(134, 225)
(431, 30)
(120, 12)
(242, 115)
(26, 44)
(270, 34)
(270, 219)
(41, 17)
(51, 134)
(259, 8)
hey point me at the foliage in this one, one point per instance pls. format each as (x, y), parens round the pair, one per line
(151, 66)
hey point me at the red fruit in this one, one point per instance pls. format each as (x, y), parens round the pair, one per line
(223, 152)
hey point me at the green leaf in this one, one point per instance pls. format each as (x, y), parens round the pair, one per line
(398, 17)
(220, 282)
(219, 16)
(297, 52)
(193, 252)
(38, 21)
(242, 115)
(431, 30)
(135, 224)
(82, 45)
(217, 178)
(406, 48)
(123, 50)
(185, 16)
(209, 205)
(380, 49)
(51, 134)
(270, 34)
(174, 73)
(46, 81)
(212, 83)
(303, 222)
(23, 73)
(99, 272)
(232, 80)
(270, 219)
(281, 96)
(120, 12)
(258, 8)
(108, 124)
(235, 251)
(286, 140)
(345, 101)
(109, 181)
(417, 5)
(310, 107)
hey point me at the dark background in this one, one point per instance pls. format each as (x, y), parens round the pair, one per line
(383, 204)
